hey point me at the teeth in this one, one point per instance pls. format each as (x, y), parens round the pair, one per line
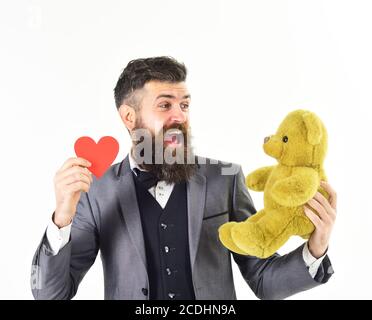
(173, 131)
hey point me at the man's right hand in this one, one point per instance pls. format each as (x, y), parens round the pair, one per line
(72, 178)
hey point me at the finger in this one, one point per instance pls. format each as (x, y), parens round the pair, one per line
(77, 186)
(313, 217)
(324, 202)
(331, 212)
(72, 171)
(76, 169)
(332, 193)
(75, 178)
(76, 161)
(322, 213)
(75, 175)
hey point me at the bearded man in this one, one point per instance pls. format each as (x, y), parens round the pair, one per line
(154, 217)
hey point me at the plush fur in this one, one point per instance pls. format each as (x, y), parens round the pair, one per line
(300, 146)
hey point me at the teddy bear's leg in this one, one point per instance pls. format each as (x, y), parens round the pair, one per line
(224, 232)
(303, 225)
(249, 225)
(264, 237)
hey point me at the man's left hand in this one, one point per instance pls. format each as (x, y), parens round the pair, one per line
(323, 221)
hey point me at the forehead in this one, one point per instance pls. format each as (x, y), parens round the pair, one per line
(155, 88)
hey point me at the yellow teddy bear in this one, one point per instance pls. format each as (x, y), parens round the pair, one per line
(300, 146)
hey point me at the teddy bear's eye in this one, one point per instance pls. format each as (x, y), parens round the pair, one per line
(285, 139)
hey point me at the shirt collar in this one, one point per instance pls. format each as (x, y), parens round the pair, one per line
(132, 163)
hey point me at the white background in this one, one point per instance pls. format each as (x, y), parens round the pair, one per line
(250, 63)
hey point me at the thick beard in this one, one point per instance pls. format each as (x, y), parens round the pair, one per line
(180, 170)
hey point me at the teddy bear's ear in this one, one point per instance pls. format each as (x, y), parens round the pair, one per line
(314, 128)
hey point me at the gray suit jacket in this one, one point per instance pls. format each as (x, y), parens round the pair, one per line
(108, 220)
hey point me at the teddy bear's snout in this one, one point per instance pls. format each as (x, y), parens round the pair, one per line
(267, 139)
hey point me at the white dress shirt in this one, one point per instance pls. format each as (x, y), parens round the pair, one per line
(58, 238)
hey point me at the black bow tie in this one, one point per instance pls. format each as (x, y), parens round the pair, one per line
(147, 179)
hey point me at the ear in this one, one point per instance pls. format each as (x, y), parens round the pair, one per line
(128, 116)
(313, 127)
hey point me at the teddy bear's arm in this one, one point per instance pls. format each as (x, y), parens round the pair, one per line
(256, 180)
(297, 189)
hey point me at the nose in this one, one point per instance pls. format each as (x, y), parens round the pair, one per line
(178, 115)
(266, 139)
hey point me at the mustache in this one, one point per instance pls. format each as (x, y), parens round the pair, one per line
(183, 127)
(185, 133)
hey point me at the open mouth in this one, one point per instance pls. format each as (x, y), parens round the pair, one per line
(173, 137)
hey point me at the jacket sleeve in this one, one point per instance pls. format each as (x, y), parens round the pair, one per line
(276, 277)
(58, 276)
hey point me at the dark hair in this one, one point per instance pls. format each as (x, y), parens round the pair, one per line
(140, 71)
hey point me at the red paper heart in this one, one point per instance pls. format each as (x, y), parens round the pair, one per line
(101, 155)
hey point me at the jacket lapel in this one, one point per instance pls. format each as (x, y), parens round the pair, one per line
(196, 189)
(129, 208)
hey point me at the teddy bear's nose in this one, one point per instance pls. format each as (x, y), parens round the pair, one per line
(266, 139)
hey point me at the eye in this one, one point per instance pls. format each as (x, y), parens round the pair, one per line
(184, 106)
(285, 139)
(165, 105)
